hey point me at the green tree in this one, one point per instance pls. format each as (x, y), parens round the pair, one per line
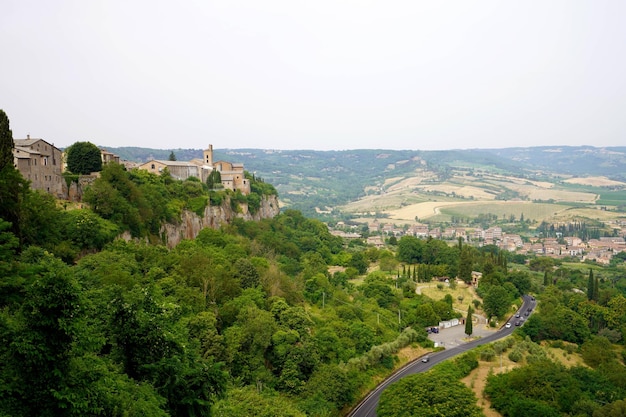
(172, 156)
(359, 262)
(469, 329)
(246, 273)
(590, 286)
(6, 141)
(13, 187)
(250, 401)
(598, 351)
(541, 263)
(614, 409)
(83, 158)
(465, 264)
(521, 280)
(428, 395)
(410, 250)
(44, 336)
(214, 180)
(496, 301)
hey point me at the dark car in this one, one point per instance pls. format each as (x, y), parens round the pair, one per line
(517, 316)
(518, 323)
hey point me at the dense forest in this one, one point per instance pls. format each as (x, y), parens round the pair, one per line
(249, 320)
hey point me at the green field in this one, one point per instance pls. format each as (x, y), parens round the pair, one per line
(612, 198)
(531, 211)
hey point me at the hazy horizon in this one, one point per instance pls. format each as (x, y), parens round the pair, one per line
(340, 75)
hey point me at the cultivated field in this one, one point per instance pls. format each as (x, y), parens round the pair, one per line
(465, 195)
(471, 209)
(595, 182)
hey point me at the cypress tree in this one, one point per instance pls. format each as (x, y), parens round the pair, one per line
(6, 141)
(469, 326)
(590, 286)
(596, 291)
(13, 186)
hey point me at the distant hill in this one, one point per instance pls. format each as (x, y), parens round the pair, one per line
(307, 179)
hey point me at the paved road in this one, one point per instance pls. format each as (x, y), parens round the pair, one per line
(367, 407)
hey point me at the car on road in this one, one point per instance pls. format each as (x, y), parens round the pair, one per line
(507, 325)
(517, 316)
(518, 323)
(425, 359)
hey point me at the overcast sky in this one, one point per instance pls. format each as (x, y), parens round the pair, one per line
(318, 74)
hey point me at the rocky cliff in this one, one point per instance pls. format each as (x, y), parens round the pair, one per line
(215, 216)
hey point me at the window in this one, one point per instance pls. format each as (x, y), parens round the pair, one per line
(152, 166)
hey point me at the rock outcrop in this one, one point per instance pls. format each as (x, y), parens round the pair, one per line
(214, 217)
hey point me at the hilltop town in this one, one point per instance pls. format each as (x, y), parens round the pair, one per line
(43, 164)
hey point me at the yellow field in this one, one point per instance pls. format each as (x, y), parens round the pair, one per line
(465, 191)
(428, 209)
(595, 182)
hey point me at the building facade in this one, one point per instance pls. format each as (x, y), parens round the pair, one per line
(41, 163)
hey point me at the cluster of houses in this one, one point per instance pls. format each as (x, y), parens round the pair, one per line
(599, 250)
(43, 165)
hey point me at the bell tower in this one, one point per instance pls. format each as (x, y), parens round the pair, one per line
(208, 156)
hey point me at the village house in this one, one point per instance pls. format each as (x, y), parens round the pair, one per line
(448, 233)
(108, 157)
(376, 241)
(573, 241)
(419, 231)
(476, 276)
(387, 229)
(493, 233)
(41, 163)
(478, 234)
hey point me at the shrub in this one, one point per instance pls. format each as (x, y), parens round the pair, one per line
(515, 355)
(198, 204)
(216, 198)
(487, 355)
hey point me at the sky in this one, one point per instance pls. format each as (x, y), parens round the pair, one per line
(318, 74)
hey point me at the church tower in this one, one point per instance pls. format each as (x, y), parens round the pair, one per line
(208, 156)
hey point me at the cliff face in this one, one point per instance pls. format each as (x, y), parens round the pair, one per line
(215, 216)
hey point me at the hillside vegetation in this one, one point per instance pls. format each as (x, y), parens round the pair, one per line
(248, 320)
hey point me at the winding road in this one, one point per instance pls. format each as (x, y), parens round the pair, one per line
(367, 407)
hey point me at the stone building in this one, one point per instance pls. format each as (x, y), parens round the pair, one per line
(232, 174)
(41, 163)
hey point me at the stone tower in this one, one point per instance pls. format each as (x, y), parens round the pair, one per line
(208, 156)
